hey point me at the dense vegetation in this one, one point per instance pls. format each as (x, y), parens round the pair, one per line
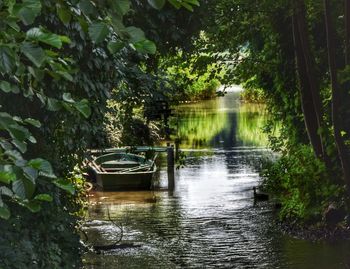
(62, 63)
(296, 53)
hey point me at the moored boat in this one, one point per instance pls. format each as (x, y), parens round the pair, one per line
(123, 171)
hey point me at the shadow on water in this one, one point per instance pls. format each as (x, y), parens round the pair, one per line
(209, 220)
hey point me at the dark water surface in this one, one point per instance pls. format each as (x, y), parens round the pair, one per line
(209, 220)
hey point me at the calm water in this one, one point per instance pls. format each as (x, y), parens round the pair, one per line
(209, 220)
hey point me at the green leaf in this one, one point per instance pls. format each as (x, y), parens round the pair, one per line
(122, 6)
(14, 154)
(12, 23)
(6, 145)
(87, 6)
(175, 3)
(53, 104)
(145, 46)
(34, 53)
(64, 15)
(65, 39)
(7, 177)
(5, 191)
(22, 146)
(193, 2)
(135, 34)
(33, 122)
(47, 38)
(157, 4)
(19, 188)
(27, 11)
(83, 107)
(43, 166)
(115, 46)
(33, 206)
(187, 6)
(4, 212)
(7, 60)
(98, 32)
(65, 75)
(65, 185)
(6, 120)
(43, 197)
(30, 173)
(8, 87)
(18, 132)
(68, 98)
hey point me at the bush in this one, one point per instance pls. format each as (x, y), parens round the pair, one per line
(300, 182)
(251, 95)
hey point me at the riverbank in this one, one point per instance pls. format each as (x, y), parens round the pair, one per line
(315, 232)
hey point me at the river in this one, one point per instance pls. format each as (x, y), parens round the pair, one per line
(209, 220)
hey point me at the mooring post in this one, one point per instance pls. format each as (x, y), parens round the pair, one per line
(171, 166)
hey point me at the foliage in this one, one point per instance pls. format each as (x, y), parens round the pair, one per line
(302, 185)
(256, 41)
(252, 95)
(59, 61)
(195, 78)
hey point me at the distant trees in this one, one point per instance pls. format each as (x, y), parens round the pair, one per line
(298, 53)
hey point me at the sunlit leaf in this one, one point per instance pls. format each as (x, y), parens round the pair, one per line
(43, 197)
(145, 46)
(7, 177)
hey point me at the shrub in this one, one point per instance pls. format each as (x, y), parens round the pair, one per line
(300, 182)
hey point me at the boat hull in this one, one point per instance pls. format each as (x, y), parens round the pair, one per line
(123, 171)
(116, 181)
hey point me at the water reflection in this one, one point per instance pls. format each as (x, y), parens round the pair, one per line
(221, 122)
(209, 220)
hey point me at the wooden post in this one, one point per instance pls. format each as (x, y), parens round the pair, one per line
(171, 166)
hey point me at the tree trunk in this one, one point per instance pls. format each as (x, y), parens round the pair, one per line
(347, 32)
(310, 96)
(336, 96)
(309, 112)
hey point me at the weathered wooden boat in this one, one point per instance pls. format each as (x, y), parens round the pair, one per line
(123, 171)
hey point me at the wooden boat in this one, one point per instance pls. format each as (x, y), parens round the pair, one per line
(123, 171)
